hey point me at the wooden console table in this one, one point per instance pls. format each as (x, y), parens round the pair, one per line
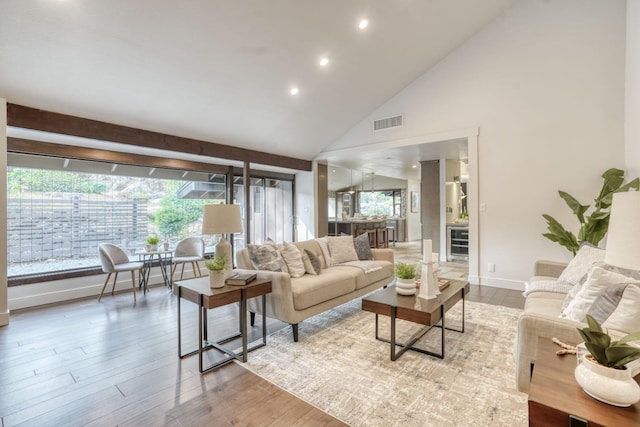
(555, 397)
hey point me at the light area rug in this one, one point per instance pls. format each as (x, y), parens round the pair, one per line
(339, 367)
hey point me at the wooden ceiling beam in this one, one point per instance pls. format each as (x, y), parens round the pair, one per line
(47, 121)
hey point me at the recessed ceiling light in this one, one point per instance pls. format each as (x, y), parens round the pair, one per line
(294, 91)
(324, 61)
(363, 24)
(414, 166)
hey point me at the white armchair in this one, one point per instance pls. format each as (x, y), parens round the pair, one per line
(114, 260)
(189, 250)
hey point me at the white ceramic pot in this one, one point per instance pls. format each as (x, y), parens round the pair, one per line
(216, 279)
(151, 248)
(613, 386)
(405, 286)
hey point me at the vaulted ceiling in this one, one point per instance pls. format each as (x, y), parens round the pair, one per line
(222, 70)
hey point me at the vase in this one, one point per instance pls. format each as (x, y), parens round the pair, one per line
(216, 279)
(613, 386)
(405, 286)
(151, 248)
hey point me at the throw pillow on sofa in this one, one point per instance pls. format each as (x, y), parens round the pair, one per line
(265, 257)
(626, 317)
(342, 249)
(323, 242)
(598, 280)
(293, 258)
(363, 249)
(312, 264)
(578, 268)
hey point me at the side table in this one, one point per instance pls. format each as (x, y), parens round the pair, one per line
(556, 399)
(164, 260)
(198, 291)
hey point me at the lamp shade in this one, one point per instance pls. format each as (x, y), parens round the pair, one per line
(221, 219)
(623, 241)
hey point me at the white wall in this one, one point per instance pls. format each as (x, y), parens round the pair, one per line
(304, 197)
(632, 104)
(414, 227)
(4, 309)
(545, 85)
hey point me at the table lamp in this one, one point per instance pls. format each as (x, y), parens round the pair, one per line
(222, 219)
(623, 240)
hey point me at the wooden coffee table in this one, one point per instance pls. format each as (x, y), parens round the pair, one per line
(556, 399)
(418, 310)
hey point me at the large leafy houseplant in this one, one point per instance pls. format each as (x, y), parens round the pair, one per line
(593, 226)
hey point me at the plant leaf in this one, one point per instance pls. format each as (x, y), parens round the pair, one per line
(576, 207)
(593, 324)
(597, 352)
(621, 354)
(631, 337)
(558, 234)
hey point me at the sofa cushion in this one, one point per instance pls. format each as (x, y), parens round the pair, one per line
(293, 258)
(370, 271)
(310, 290)
(545, 303)
(342, 249)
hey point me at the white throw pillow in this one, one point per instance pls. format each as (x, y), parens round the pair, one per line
(597, 281)
(342, 249)
(324, 248)
(578, 268)
(626, 317)
(293, 258)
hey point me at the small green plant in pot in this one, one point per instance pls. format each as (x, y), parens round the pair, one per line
(405, 278)
(405, 270)
(152, 243)
(603, 373)
(216, 267)
(609, 353)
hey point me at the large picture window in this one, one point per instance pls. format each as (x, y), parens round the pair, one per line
(57, 217)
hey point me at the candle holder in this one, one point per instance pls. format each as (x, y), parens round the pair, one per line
(428, 281)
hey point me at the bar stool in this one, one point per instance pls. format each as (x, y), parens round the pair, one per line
(391, 233)
(372, 234)
(384, 241)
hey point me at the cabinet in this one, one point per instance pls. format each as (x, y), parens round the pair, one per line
(457, 243)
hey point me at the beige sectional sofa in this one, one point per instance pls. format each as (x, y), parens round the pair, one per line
(293, 300)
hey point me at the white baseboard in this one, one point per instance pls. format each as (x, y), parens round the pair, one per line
(515, 285)
(43, 293)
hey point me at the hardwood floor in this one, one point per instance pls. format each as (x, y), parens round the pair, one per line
(115, 363)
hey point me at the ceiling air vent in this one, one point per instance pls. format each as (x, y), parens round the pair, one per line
(389, 122)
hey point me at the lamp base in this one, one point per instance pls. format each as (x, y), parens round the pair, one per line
(223, 249)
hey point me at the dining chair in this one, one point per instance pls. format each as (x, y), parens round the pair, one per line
(114, 260)
(189, 250)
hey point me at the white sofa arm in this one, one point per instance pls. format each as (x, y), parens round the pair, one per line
(382, 255)
(530, 327)
(549, 268)
(280, 300)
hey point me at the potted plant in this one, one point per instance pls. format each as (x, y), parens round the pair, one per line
(602, 373)
(152, 243)
(405, 278)
(216, 267)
